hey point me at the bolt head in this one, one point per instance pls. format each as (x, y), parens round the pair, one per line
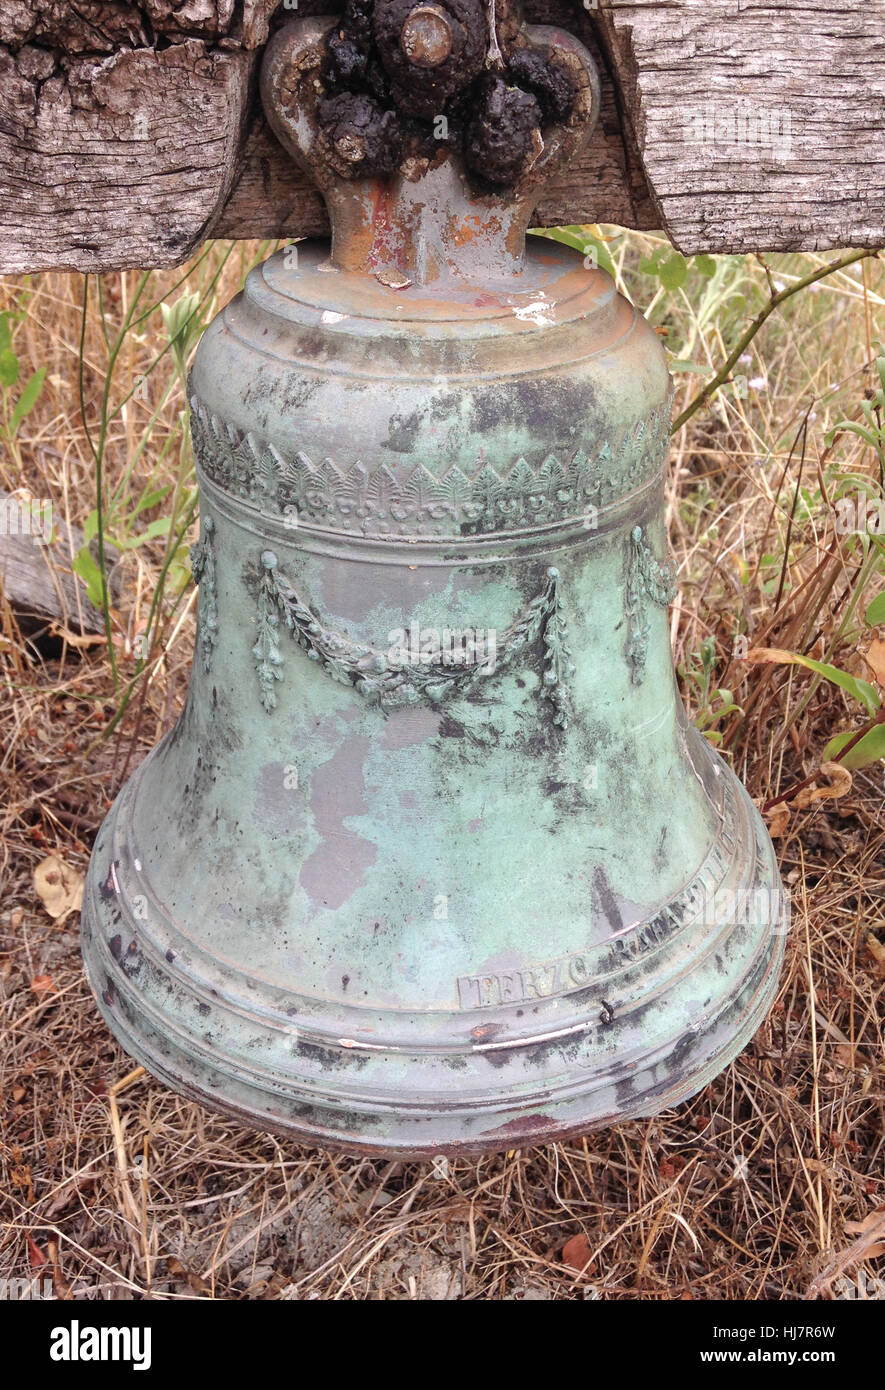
(426, 38)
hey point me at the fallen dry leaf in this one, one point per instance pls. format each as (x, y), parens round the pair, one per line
(59, 887)
(43, 984)
(576, 1253)
(873, 1221)
(392, 280)
(275, 1285)
(869, 1230)
(774, 655)
(21, 1177)
(78, 1186)
(840, 784)
(180, 1271)
(877, 951)
(36, 1258)
(874, 656)
(844, 1260)
(848, 1055)
(777, 820)
(60, 1286)
(79, 640)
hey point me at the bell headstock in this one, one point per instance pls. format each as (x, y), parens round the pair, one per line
(417, 119)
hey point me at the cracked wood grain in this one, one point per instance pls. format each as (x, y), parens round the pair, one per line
(760, 123)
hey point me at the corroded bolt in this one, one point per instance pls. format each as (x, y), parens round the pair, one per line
(351, 147)
(426, 37)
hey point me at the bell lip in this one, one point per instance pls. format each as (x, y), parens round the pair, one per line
(528, 1131)
(543, 1114)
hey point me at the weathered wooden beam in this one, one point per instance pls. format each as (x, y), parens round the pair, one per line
(116, 161)
(760, 123)
(131, 131)
(36, 575)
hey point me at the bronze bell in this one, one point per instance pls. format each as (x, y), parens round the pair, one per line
(433, 861)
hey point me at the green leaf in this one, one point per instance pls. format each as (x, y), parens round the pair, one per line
(160, 527)
(673, 272)
(84, 565)
(683, 364)
(90, 527)
(183, 324)
(179, 574)
(603, 259)
(861, 690)
(580, 239)
(852, 427)
(566, 236)
(150, 499)
(27, 400)
(8, 367)
(845, 484)
(876, 611)
(867, 750)
(706, 265)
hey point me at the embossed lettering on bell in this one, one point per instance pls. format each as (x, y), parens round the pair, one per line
(433, 860)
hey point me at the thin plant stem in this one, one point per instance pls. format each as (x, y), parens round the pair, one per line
(746, 338)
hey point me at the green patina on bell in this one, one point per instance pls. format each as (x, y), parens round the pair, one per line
(433, 860)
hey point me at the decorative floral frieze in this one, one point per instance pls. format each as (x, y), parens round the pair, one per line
(370, 671)
(648, 581)
(202, 556)
(381, 501)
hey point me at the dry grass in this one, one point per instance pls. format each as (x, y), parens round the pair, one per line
(769, 1185)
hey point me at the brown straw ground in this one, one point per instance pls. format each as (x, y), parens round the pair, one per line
(768, 1185)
